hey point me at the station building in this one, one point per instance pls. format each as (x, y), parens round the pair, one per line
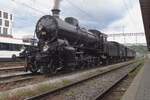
(6, 20)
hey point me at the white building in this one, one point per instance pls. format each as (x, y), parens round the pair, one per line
(6, 20)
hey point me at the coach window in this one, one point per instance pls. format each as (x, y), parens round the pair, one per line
(0, 46)
(4, 46)
(16, 47)
(10, 47)
(7, 23)
(5, 15)
(5, 31)
(13, 47)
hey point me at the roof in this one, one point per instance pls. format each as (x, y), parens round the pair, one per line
(145, 8)
(12, 41)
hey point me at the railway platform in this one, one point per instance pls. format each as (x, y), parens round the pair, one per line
(140, 87)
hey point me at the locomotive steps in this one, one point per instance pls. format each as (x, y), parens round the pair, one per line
(57, 83)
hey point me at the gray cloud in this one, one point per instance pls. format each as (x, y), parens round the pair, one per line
(90, 13)
(99, 13)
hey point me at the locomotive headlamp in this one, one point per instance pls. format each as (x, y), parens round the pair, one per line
(40, 27)
(43, 33)
(45, 48)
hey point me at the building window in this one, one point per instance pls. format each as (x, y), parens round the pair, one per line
(0, 21)
(5, 31)
(0, 13)
(10, 16)
(5, 15)
(7, 23)
(0, 30)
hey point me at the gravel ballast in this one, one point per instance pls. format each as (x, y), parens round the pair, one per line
(91, 89)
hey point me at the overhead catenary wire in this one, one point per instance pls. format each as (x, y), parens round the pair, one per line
(128, 11)
(84, 12)
(77, 7)
(81, 10)
(22, 18)
(28, 6)
(130, 15)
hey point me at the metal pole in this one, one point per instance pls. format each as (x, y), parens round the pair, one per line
(136, 38)
(124, 34)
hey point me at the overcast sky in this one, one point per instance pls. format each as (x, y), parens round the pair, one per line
(109, 16)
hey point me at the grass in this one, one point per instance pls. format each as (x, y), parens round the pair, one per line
(48, 87)
(21, 94)
(18, 96)
(134, 73)
(4, 97)
(70, 93)
(66, 82)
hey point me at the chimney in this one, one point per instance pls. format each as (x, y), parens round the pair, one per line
(55, 12)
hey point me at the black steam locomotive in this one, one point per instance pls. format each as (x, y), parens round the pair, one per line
(63, 44)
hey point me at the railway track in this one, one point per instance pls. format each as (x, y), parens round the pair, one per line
(15, 80)
(98, 97)
(7, 70)
(10, 64)
(20, 68)
(51, 93)
(14, 75)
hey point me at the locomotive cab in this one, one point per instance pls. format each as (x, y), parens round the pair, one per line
(100, 35)
(102, 38)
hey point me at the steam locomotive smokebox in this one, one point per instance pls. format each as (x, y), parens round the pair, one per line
(72, 21)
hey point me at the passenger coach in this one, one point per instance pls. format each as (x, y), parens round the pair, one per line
(10, 48)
